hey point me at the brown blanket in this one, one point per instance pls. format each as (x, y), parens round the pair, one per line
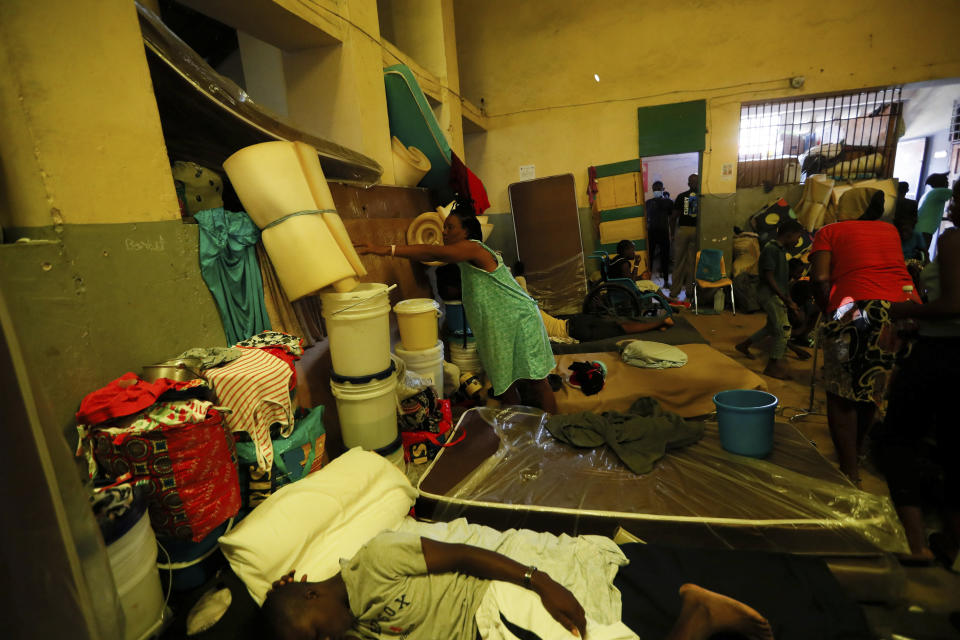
(687, 391)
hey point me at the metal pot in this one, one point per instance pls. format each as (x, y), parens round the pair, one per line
(179, 369)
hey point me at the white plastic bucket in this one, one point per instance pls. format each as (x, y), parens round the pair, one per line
(426, 363)
(466, 358)
(368, 411)
(358, 323)
(395, 458)
(133, 561)
(418, 324)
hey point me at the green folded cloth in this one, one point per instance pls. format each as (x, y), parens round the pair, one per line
(640, 436)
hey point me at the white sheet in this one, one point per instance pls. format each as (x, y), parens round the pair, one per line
(586, 565)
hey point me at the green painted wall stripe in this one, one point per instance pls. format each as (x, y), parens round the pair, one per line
(617, 168)
(640, 245)
(621, 214)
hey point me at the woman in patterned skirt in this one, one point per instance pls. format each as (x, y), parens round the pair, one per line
(858, 271)
(511, 339)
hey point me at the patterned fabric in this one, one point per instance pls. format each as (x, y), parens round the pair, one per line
(125, 396)
(256, 388)
(189, 472)
(212, 356)
(425, 422)
(291, 344)
(860, 348)
(511, 339)
(200, 188)
(171, 414)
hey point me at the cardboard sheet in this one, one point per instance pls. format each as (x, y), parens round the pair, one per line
(687, 391)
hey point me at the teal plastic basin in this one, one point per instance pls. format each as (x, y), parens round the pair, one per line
(746, 421)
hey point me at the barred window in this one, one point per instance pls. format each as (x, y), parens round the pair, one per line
(850, 135)
(955, 122)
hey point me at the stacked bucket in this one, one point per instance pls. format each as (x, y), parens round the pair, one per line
(364, 379)
(420, 345)
(463, 345)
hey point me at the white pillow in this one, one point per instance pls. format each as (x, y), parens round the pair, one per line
(309, 525)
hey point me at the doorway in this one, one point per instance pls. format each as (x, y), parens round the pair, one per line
(671, 171)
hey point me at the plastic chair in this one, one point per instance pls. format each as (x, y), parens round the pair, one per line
(711, 273)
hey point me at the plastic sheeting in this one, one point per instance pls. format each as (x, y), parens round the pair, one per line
(511, 471)
(206, 116)
(559, 290)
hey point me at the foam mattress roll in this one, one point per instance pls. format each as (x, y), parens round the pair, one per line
(409, 164)
(306, 256)
(270, 182)
(317, 182)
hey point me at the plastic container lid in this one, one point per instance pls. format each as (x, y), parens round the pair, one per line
(417, 305)
(435, 351)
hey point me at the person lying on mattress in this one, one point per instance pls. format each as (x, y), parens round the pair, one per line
(405, 586)
(511, 339)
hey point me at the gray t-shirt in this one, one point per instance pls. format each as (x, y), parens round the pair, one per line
(392, 595)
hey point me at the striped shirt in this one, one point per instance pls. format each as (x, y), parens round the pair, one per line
(256, 388)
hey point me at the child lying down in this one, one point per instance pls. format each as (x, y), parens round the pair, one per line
(406, 586)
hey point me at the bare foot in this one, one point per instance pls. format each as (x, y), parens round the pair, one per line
(704, 613)
(744, 348)
(666, 323)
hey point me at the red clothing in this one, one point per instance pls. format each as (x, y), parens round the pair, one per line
(465, 182)
(124, 396)
(866, 261)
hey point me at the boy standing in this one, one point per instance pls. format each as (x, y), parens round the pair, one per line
(773, 293)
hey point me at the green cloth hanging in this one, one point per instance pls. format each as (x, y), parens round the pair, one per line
(228, 264)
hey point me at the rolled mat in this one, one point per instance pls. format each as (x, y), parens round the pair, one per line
(409, 164)
(284, 191)
(426, 228)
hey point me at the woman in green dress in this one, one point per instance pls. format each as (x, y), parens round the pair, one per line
(511, 339)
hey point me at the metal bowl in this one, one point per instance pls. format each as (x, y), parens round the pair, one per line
(181, 370)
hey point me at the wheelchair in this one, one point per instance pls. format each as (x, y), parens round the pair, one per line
(620, 298)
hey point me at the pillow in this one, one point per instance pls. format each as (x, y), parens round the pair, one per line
(309, 525)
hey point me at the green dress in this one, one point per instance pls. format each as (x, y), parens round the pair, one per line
(511, 339)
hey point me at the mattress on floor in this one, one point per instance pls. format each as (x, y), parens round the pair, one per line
(508, 471)
(682, 332)
(687, 391)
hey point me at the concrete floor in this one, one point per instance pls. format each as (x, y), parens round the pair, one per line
(932, 593)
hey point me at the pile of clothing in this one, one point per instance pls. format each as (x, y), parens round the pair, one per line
(193, 443)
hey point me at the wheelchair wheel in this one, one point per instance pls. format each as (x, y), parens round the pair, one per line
(653, 306)
(612, 300)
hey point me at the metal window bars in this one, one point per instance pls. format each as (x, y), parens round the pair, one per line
(848, 135)
(955, 122)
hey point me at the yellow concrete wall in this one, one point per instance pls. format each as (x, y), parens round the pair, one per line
(533, 66)
(80, 130)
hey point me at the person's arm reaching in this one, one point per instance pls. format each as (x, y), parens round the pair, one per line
(820, 278)
(442, 557)
(459, 252)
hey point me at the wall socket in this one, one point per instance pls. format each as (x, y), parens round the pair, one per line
(528, 172)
